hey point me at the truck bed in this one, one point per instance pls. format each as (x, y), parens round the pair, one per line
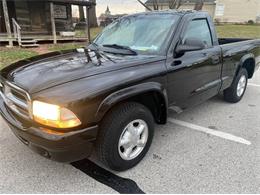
(223, 41)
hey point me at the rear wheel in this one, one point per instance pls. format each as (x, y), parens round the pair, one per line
(125, 136)
(237, 90)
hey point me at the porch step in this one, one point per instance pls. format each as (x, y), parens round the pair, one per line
(28, 42)
(30, 45)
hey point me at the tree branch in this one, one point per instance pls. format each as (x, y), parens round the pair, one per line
(175, 4)
(143, 4)
(199, 5)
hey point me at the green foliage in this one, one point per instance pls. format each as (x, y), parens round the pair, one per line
(10, 55)
(250, 22)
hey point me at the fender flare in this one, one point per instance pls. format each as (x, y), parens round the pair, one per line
(130, 92)
(243, 59)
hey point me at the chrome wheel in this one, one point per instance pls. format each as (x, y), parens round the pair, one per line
(133, 139)
(241, 86)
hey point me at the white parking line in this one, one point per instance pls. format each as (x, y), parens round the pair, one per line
(210, 131)
(254, 85)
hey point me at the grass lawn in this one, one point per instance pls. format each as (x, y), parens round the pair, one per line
(65, 46)
(10, 55)
(238, 31)
(93, 32)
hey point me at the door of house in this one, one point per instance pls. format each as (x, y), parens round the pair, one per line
(38, 19)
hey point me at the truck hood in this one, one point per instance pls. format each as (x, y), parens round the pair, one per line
(49, 70)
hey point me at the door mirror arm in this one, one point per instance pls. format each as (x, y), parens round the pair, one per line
(190, 44)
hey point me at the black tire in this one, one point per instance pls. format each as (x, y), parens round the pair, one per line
(230, 94)
(110, 132)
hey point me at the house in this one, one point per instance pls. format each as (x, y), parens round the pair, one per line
(223, 11)
(107, 18)
(237, 11)
(35, 18)
(209, 5)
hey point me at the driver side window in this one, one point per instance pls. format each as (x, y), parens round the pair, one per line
(199, 29)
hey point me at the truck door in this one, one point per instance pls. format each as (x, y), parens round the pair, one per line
(194, 76)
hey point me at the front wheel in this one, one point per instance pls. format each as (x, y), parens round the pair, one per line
(237, 90)
(125, 136)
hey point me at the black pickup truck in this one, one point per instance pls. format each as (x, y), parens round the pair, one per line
(108, 95)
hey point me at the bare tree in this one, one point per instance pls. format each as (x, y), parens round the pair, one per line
(92, 15)
(199, 5)
(81, 14)
(143, 4)
(175, 4)
(155, 5)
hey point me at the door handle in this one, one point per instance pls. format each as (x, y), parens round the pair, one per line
(215, 60)
(176, 63)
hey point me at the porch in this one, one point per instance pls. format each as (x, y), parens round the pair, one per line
(42, 39)
(28, 22)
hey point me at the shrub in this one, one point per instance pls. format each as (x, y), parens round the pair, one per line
(217, 21)
(250, 22)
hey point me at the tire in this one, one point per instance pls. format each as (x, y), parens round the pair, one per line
(232, 93)
(113, 130)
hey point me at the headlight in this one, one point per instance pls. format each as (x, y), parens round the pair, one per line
(54, 116)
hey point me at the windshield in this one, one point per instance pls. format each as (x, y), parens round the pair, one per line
(142, 33)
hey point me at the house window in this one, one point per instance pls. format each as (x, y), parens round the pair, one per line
(220, 9)
(60, 11)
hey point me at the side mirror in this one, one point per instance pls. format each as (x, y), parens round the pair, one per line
(190, 44)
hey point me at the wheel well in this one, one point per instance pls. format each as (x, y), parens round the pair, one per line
(155, 102)
(249, 65)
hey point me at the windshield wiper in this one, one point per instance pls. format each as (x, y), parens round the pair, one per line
(95, 48)
(116, 46)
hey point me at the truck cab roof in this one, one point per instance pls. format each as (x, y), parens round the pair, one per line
(172, 11)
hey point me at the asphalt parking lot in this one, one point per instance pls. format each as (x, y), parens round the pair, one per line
(211, 148)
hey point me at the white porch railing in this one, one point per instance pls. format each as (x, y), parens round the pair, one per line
(17, 31)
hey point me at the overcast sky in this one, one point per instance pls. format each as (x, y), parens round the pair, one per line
(119, 6)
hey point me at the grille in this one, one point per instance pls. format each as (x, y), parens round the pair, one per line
(16, 99)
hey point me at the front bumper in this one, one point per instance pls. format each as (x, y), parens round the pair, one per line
(62, 147)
